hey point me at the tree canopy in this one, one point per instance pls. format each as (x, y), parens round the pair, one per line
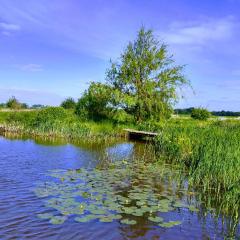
(68, 103)
(200, 114)
(143, 82)
(13, 103)
(146, 78)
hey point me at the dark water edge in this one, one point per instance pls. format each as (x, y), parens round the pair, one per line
(25, 162)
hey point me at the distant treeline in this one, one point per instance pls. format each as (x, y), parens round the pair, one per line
(188, 111)
(13, 103)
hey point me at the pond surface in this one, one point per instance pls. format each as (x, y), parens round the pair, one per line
(51, 189)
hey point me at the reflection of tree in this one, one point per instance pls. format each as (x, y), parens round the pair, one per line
(159, 183)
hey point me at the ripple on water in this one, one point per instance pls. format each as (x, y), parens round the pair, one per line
(24, 163)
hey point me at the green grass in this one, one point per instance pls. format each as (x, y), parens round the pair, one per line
(57, 122)
(209, 152)
(209, 149)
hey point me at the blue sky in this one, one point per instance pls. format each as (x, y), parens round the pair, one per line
(50, 50)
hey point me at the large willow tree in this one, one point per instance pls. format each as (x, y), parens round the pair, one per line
(145, 80)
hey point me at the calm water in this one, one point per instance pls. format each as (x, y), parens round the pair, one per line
(25, 164)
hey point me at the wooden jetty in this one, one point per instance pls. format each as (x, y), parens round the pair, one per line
(135, 134)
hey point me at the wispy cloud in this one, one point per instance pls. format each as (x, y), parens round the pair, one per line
(200, 32)
(31, 67)
(8, 28)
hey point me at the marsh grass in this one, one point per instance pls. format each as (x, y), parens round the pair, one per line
(57, 122)
(211, 152)
(210, 155)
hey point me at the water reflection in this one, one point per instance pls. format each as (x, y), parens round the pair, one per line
(25, 162)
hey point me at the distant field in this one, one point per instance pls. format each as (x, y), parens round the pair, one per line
(20, 110)
(187, 116)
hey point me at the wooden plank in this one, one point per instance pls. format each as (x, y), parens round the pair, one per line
(143, 133)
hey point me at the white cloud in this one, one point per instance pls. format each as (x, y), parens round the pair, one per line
(9, 26)
(31, 67)
(200, 32)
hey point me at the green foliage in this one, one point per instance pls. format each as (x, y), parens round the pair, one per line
(56, 121)
(68, 103)
(94, 104)
(22, 117)
(13, 103)
(141, 86)
(200, 114)
(120, 116)
(2, 105)
(145, 80)
(51, 114)
(48, 117)
(24, 106)
(211, 151)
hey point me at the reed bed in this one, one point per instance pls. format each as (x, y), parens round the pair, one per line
(57, 124)
(210, 155)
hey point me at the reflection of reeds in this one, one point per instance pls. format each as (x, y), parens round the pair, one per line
(211, 154)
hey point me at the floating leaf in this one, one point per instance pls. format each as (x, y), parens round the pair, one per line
(87, 218)
(169, 224)
(98, 211)
(129, 222)
(156, 219)
(58, 219)
(105, 219)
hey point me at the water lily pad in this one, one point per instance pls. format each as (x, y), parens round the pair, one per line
(85, 219)
(98, 211)
(105, 219)
(170, 224)
(138, 213)
(58, 219)
(129, 222)
(156, 219)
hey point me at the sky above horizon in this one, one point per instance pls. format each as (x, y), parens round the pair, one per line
(52, 49)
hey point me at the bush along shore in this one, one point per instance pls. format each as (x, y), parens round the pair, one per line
(57, 122)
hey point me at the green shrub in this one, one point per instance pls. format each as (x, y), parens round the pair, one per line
(120, 116)
(13, 103)
(200, 114)
(47, 117)
(68, 103)
(23, 118)
(93, 104)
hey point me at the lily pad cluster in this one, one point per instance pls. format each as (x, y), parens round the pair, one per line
(122, 192)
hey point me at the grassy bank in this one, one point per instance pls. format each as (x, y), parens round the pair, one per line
(211, 149)
(57, 122)
(210, 154)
